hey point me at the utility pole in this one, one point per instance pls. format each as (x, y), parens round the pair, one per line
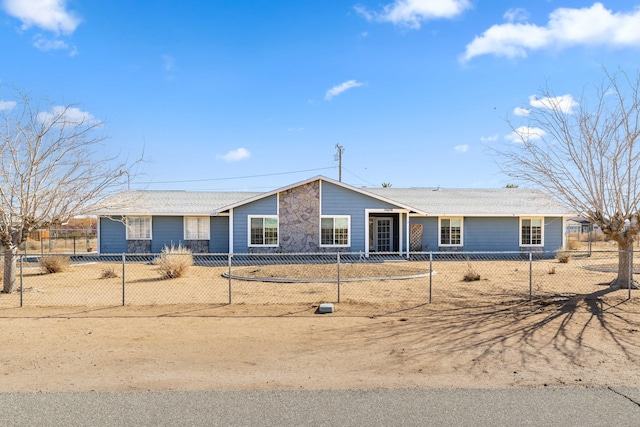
(338, 157)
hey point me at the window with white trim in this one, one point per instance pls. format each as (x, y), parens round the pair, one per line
(450, 231)
(531, 231)
(334, 230)
(138, 228)
(196, 227)
(263, 230)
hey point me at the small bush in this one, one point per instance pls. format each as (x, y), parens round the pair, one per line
(108, 272)
(173, 262)
(471, 275)
(563, 257)
(573, 245)
(54, 263)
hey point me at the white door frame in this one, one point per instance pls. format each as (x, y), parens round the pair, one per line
(402, 244)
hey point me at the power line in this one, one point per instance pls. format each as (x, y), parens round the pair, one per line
(229, 178)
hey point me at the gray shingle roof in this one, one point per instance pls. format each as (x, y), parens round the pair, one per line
(432, 201)
(474, 201)
(173, 202)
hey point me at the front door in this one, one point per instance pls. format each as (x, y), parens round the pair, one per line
(381, 234)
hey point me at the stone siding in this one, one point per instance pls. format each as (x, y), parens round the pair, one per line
(197, 246)
(139, 246)
(299, 210)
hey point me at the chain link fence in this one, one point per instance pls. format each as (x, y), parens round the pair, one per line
(376, 283)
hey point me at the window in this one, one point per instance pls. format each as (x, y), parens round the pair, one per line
(263, 231)
(138, 228)
(531, 231)
(196, 227)
(334, 231)
(450, 231)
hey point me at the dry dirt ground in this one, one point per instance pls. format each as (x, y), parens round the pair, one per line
(577, 331)
(556, 342)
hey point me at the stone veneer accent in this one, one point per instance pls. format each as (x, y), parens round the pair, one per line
(197, 246)
(300, 218)
(139, 246)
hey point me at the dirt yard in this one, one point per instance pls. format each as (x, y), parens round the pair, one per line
(383, 334)
(556, 342)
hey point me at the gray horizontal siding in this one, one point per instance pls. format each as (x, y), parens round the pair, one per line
(336, 200)
(553, 233)
(166, 231)
(429, 232)
(113, 236)
(491, 234)
(266, 206)
(219, 241)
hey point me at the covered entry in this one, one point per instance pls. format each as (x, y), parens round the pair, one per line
(384, 232)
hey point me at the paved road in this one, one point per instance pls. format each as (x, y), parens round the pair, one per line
(406, 407)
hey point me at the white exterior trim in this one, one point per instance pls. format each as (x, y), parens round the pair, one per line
(541, 218)
(231, 231)
(249, 244)
(126, 227)
(207, 219)
(348, 217)
(449, 245)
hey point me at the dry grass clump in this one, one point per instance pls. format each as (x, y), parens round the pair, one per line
(573, 245)
(471, 275)
(563, 257)
(173, 262)
(109, 272)
(54, 263)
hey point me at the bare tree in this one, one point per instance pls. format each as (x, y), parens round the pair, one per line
(51, 169)
(586, 154)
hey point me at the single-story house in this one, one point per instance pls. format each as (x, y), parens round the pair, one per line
(323, 215)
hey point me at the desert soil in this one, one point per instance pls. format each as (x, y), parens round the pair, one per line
(556, 342)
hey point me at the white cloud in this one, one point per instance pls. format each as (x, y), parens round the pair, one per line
(519, 111)
(7, 105)
(411, 13)
(337, 90)
(525, 134)
(235, 155)
(491, 138)
(592, 26)
(563, 103)
(461, 148)
(71, 116)
(50, 15)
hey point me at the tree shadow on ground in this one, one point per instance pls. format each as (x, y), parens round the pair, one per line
(579, 330)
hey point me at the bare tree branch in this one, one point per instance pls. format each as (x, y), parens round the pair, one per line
(588, 159)
(52, 168)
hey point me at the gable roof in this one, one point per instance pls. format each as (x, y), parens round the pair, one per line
(332, 181)
(422, 201)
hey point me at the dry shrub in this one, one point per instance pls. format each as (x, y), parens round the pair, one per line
(108, 272)
(471, 275)
(573, 245)
(174, 261)
(563, 257)
(54, 263)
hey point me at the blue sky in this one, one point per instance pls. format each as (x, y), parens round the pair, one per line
(255, 94)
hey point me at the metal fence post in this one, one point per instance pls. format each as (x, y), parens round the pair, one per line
(229, 262)
(21, 278)
(430, 275)
(123, 271)
(338, 259)
(530, 275)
